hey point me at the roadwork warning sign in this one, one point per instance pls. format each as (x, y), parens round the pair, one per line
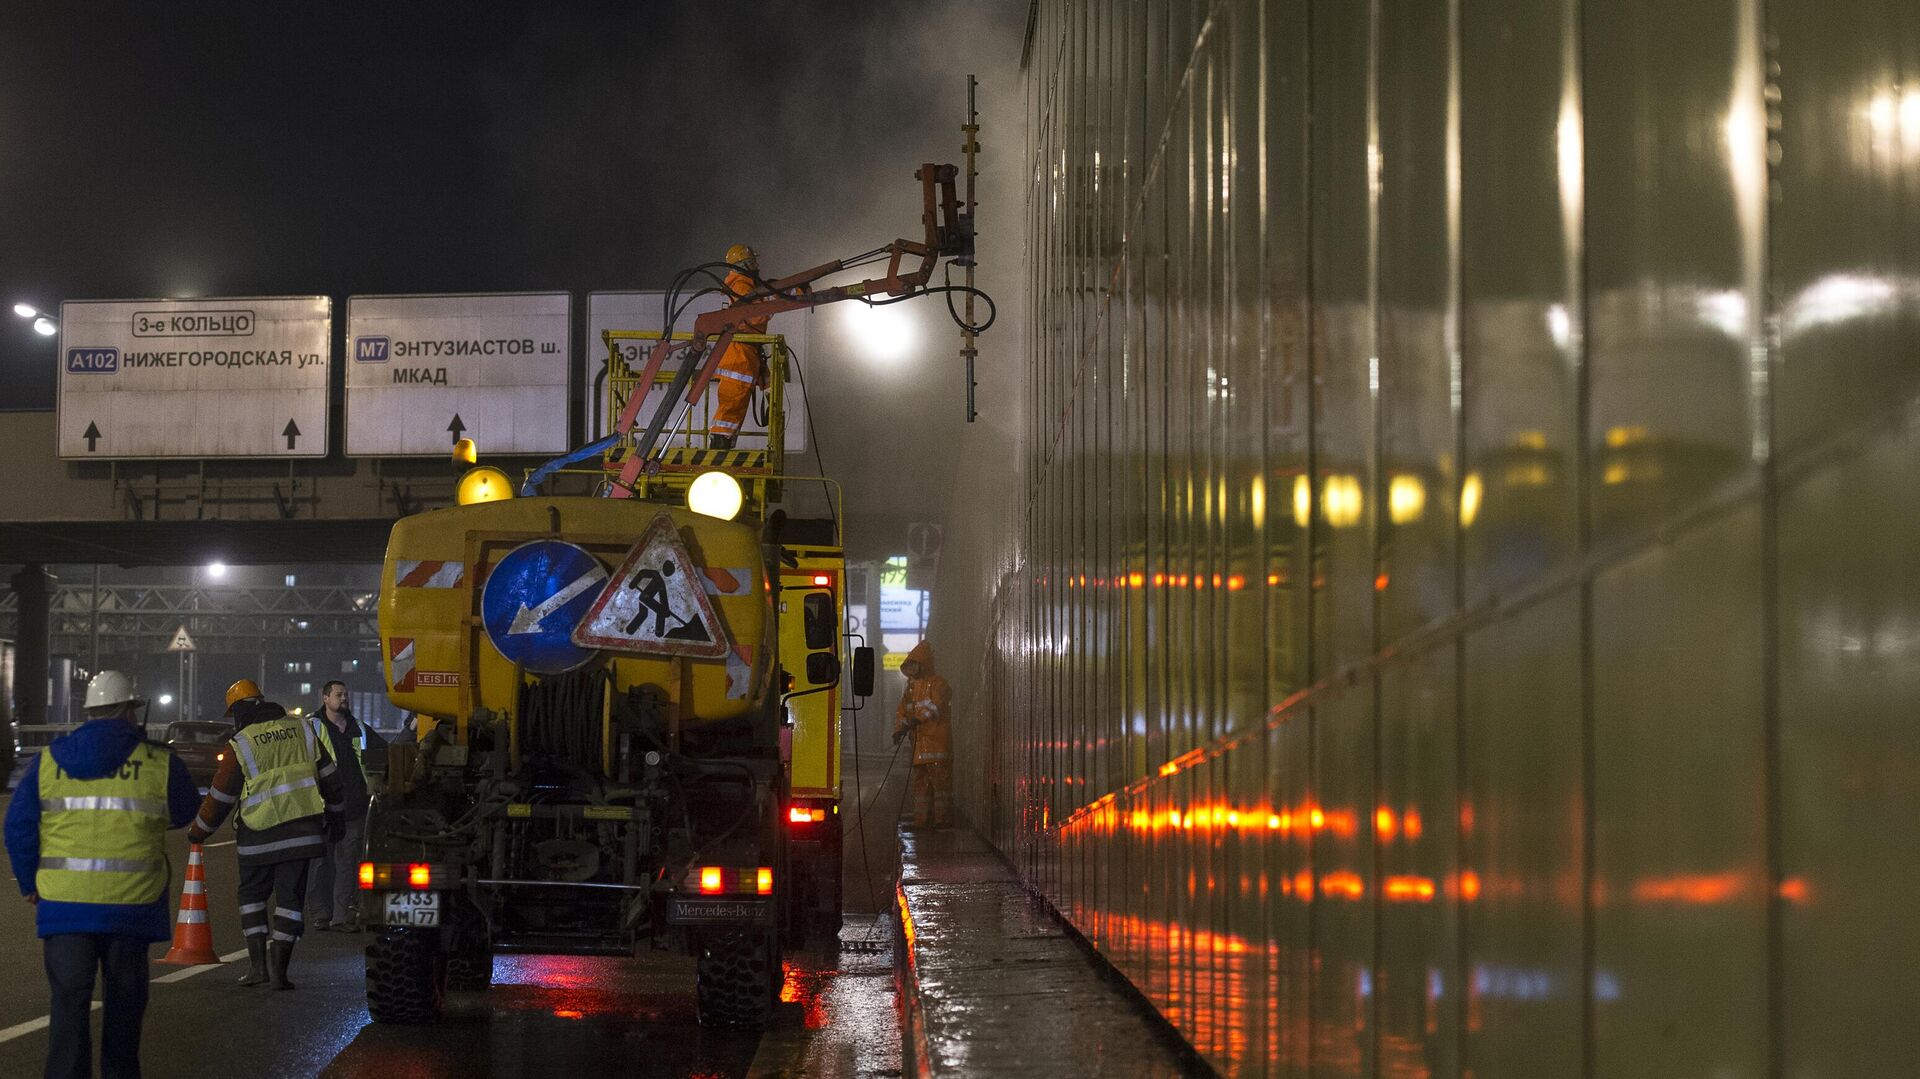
(656, 603)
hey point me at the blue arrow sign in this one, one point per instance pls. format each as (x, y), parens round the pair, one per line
(532, 599)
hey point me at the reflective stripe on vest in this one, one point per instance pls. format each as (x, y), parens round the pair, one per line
(359, 741)
(102, 840)
(280, 761)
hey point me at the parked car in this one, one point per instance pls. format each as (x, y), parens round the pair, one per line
(201, 745)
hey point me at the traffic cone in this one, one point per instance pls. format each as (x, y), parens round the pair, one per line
(192, 934)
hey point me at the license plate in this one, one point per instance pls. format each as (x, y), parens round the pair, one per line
(420, 909)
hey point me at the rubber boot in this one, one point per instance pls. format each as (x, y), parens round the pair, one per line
(256, 960)
(719, 442)
(279, 954)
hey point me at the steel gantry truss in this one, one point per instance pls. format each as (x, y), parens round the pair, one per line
(144, 618)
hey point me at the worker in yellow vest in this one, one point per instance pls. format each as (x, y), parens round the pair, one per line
(287, 788)
(333, 881)
(86, 835)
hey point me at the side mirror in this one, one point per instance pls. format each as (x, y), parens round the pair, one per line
(863, 672)
(823, 669)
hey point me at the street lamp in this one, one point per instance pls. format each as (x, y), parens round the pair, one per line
(44, 325)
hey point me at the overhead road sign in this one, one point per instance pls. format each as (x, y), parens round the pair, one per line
(643, 310)
(235, 377)
(425, 371)
(657, 602)
(533, 598)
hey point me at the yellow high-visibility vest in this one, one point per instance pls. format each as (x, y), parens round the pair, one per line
(281, 761)
(322, 725)
(102, 840)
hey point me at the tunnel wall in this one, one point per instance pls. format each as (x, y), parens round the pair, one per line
(1456, 613)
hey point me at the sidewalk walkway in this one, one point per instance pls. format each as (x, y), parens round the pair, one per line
(991, 983)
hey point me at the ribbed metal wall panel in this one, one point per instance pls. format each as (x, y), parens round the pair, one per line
(1458, 612)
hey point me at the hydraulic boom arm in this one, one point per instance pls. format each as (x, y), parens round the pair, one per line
(949, 234)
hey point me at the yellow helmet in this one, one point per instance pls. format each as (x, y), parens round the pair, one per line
(240, 691)
(742, 255)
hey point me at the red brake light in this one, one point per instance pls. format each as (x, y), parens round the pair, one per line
(366, 875)
(804, 815)
(419, 875)
(710, 880)
(822, 580)
(764, 882)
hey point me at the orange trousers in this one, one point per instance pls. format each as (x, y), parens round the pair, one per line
(933, 794)
(734, 379)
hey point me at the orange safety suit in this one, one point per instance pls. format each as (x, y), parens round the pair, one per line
(741, 367)
(924, 712)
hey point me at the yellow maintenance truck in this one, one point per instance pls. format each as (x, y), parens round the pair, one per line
(630, 726)
(629, 694)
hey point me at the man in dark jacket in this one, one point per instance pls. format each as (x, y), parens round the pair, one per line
(86, 836)
(287, 787)
(333, 881)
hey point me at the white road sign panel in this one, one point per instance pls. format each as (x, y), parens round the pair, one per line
(656, 603)
(181, 641)
(241, 377)
(645, 311)
(425, 371)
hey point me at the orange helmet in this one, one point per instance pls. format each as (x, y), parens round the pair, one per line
(242, 690)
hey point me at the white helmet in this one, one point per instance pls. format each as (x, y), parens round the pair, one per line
(110, 688)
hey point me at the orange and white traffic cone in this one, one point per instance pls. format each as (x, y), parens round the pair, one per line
(192, 934)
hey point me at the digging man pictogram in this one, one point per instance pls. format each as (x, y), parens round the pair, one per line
(652, 588)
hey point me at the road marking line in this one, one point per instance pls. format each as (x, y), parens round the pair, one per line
(31, 1025)
(222, 843)
(188, 972)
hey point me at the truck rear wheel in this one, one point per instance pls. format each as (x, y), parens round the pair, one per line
(736, 979)
(406, 977)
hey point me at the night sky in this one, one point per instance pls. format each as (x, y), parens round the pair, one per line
(260, 149)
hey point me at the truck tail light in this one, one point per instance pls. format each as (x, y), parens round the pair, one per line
(710, 882)
(822, 580)
(419, 875)
(805, 814)
(763, 882)
(366, 875)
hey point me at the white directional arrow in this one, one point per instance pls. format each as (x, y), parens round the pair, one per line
(527, 620)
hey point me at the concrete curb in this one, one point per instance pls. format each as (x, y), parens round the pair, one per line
(915, 1060)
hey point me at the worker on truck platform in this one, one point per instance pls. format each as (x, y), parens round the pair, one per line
(742, 366)
(283, 778)
(86, 834)
(924, 713)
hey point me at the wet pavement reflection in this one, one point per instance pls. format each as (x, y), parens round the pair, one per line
(588, 1016)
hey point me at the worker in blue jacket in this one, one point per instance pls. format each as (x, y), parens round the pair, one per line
(86, 833)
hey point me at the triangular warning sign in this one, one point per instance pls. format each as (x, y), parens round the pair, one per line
(655, 604)
(181, 642)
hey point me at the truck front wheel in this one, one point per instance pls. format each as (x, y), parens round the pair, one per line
(737, 978)
(406, 977)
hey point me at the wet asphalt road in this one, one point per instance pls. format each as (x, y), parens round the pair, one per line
(544, 1015)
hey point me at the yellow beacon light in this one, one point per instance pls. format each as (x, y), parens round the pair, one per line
(484, 484)
(715, 494)
(465, 453)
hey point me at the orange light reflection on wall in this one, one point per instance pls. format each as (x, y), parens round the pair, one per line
(1408, 889)
(1693, 889)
